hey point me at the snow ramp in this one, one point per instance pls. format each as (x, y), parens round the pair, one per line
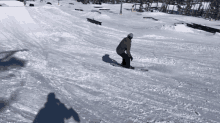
(15, 17)
(15, 26)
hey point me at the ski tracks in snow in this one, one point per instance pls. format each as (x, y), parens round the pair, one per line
(68, 62)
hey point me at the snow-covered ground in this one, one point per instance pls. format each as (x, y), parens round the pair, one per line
(67, 55)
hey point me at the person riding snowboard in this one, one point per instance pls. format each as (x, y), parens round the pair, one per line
(125, 45)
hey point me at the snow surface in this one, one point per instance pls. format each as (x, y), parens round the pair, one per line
(67, 56)
(12, 3)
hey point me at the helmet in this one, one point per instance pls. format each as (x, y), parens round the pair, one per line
(130, 35)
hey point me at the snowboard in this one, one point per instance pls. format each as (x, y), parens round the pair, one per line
(135, 68)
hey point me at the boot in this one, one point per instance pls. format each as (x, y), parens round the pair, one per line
(131, 67)
(123, 62)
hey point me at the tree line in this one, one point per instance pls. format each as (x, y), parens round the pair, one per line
(199, 8)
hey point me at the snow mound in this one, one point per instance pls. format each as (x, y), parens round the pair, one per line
(217, 34)
(49, 7)
(3, 5)
(154, 13)
(96, 15)
(182, 28)
(158, 37)
(12, 3)
(103, 16)
(178, 28)
(91, 14)
(168, 27)
(12, 19)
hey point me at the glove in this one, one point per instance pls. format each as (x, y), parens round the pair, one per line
(131, 58)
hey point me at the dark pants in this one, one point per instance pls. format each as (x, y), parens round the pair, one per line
(125, 60)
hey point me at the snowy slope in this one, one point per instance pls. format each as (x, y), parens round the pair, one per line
(12, 3)
(67, 56)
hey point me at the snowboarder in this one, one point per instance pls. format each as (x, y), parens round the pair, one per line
(125, 44)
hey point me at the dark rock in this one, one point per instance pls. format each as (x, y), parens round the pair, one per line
(49, 3)
(150, 18)
(127, 9)
(204, 28)
(104, 9)
(94, 21)
(79, 9)
(31, 4)
(97, 7)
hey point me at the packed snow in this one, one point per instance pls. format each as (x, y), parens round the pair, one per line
(71, 57)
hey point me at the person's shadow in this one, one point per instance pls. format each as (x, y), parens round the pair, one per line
(107, 59)
(54, 112)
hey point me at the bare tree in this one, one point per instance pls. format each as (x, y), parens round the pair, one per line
(214, 9)
(218, 17)
(193, 10)
(148, 5)
(188, 7)
(203, 8)
(179, 8)
(208, 7)
(167, 5)
(184, 8)
(198, 13)
(198, 10)
(162, 7)
(151, 2)
(141, 5)
(172, 2)
(157, 4)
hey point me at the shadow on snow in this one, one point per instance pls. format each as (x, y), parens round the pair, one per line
(54, 112)
(107, 59)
